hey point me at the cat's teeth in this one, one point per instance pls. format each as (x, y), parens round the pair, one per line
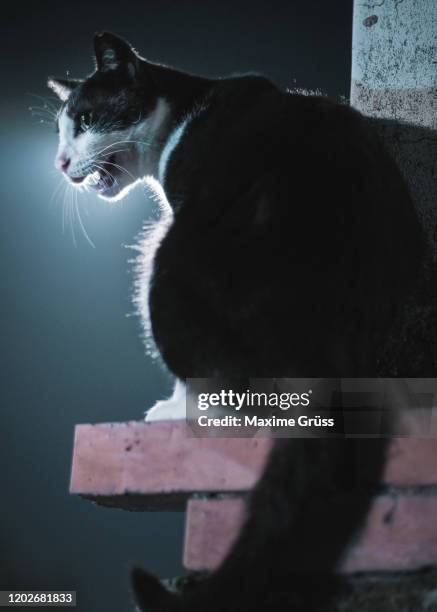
(95, 177)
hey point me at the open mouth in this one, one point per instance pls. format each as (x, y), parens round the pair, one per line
(104, 179)
(102, 183)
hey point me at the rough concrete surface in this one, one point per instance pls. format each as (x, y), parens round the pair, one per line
(393, 592)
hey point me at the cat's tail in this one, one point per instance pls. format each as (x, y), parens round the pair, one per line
(300, 517)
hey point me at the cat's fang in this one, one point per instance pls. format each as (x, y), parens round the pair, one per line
(94, 177)
(101, 184)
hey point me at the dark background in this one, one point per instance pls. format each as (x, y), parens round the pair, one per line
(70, 352)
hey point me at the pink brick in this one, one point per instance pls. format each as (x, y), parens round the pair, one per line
(412, 461)
(161, 458)
(211, 528)
(401, 534)
(156, 461)
(412, 456)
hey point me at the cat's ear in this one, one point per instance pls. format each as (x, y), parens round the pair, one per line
(63, 87)
(114, 53)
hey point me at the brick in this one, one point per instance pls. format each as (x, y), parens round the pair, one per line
(162, 460)
(151, 464)
(412, 456)
(400, 534)
(411, 462)
(211, 528)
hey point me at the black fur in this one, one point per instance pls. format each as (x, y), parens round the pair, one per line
(148, 591)
(295, 243)
(125, 89)
(294, 239)
(293, 249)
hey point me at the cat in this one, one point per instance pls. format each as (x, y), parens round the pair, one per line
(288, 246)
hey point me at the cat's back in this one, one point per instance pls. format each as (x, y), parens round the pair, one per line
(246, 126)
(287, 210)
(301, 174)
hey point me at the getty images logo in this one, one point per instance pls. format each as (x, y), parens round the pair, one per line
(227, 398)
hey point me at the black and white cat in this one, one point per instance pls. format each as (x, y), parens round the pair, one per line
(288, 245)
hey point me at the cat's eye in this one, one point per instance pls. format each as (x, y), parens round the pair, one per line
(85, 121)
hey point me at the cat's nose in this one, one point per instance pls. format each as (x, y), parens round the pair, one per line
(62, 163)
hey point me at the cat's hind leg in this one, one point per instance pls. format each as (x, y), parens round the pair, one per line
(174, 408)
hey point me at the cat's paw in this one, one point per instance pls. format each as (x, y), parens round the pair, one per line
(172, 409)
(150, 594)
(166, 410)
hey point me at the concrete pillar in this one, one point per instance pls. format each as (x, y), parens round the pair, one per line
(394, 79)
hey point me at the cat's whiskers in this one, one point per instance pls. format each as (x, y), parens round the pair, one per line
(113, 144)
(47, 114)
(50, 101)
(39, 110)
(67, 219)
(118, 142)
(81, 224)
(48, 106)
(71, 210)
(71, 215)
(57, 189)
(64, 206)
(42, 117)
(119, 167)
(114, 152)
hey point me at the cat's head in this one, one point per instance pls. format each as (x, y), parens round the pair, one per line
(110, 123)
